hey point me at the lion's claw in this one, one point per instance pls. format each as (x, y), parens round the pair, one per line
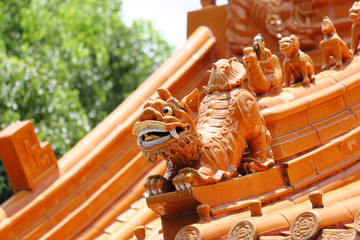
(306, 81)
(155, 184)
(186, 178)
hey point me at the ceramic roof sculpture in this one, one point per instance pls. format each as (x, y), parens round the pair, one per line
(96, 190)
(297, 65)
(333, 46)
(203, 143)
(264, 73)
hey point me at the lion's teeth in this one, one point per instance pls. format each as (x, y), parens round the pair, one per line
(154, 142)
(146, 130)
(174, 134)
(151, 137)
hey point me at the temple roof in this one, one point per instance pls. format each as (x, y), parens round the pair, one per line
(95, 191)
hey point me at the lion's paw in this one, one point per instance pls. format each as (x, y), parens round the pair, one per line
(186, 178)
(155, 184)
(250, 165)
(306, 81)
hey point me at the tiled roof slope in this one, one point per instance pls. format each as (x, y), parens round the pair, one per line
(315, 143)
(115, 205)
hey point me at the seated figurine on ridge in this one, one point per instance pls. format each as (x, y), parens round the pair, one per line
(264, 73)
(354, 15)
(297, 65)
(204, 143)
(333, 45)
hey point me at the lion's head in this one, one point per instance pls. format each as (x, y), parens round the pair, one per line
(354, 13)
(289, 45)
(327, 26)
(166, 127)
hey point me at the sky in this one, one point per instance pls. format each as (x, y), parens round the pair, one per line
(169, 17)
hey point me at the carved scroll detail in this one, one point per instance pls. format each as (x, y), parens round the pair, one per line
(242, 230)
(305, 226)
(188, 233)
(336, 234)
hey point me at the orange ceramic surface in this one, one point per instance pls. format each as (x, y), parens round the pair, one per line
(308, 224)
(27, 161)
(96, 190)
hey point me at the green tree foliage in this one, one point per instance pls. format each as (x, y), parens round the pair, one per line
(66, 64)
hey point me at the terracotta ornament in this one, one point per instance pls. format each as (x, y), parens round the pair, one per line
(355, 29)
(333, 45)
(203, 210)
(203, 143)
(297, 65)
(139, 233)
(264, 71)
(243, 230)
(305, 226)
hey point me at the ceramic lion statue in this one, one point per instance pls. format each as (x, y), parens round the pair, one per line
(297, 65)
(354, 15)
(204, 143)
(333, 46)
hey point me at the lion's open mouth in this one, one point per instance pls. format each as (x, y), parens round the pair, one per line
(151, 134)
(285, 47)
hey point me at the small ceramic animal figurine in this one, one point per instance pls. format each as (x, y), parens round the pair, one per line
(333, 45)
(354, 15)
(297, 65)
(264, 73)
(204, 144)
